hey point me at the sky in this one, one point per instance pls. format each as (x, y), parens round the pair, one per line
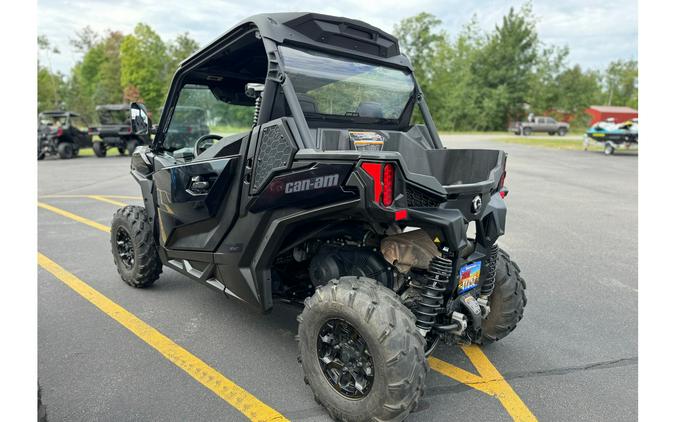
(596, 32)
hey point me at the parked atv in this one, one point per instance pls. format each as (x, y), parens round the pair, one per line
(114, 130)
(332, 200)
(189, 123)
(62, 133)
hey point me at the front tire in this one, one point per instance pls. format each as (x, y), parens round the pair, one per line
(133, 247)
(527, 131)
(99, 149)
(65, 150)
(507, 301)
(383, 342)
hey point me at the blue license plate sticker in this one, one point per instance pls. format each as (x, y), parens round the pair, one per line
(469, 274)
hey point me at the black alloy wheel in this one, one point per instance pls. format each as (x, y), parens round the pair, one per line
(125, 247)
(345, 360)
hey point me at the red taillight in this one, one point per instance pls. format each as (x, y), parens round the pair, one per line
(500, 187)
(388, 185)
(374, 170)
(59, 131)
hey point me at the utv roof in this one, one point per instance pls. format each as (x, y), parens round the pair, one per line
(59, 113)
(338, 34)
(112, 107)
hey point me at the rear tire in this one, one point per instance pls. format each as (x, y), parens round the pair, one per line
(99, 149)
(562, 131)
(133, 247)
(551, 133)
(609, 149)
(65, 150)
(507, 301)
(395, 349)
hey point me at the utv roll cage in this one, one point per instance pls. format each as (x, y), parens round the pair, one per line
(250, 53)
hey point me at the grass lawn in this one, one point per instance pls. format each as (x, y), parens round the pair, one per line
(558, 143)
(88, 152)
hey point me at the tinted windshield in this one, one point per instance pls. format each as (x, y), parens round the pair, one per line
(114, 117)
(339, 88)
(52, 120)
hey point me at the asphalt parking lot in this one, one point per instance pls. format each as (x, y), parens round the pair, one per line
(572, 228)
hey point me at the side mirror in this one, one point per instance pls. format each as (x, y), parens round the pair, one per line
(140, 122)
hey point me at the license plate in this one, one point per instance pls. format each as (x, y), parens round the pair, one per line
(469, 274)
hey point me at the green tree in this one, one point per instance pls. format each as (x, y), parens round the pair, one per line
(50, 85)
(420, 40)
(621, 79)
(504, 68)
(144, 65)
(180, 49)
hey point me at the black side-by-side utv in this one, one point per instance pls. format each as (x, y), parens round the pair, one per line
(114, 130)
(62, 133)
(333, 200)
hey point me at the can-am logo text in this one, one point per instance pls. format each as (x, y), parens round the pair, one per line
(312, 183)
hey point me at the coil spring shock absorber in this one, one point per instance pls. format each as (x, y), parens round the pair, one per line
(488, 285)
(436, 282)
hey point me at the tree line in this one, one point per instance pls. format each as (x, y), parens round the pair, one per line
(482, 80)
(472, 80)
(114, 68)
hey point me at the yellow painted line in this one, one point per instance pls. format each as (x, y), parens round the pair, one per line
(223, 387)
(489, 381)
(75, 217)
(106, 199)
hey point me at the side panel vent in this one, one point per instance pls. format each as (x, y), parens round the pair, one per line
(275, 152)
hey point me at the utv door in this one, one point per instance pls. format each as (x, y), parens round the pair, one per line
(198, 197)
(197, 202)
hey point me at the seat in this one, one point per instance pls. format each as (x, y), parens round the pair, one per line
(307, 103)
(370, 109)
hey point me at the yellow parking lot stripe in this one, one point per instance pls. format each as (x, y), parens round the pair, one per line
(75, 217)
(223, 387)
(106, 199)
(490, 381)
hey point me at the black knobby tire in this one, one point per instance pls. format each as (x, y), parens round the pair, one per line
(76, 151)
(99, 149)
(121, 150)
(41, 155)
(65, 150)
(145, 266)
(395, 345)
(507, 301)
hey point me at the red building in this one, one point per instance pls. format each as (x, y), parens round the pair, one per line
(619, 113)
